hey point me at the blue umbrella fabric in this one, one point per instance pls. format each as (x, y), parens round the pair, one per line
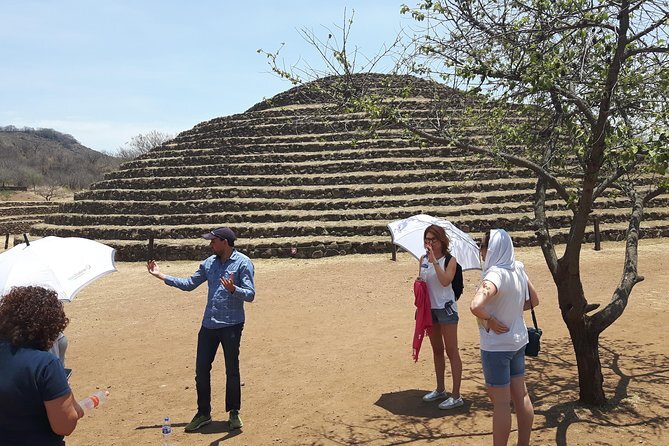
(408, 234)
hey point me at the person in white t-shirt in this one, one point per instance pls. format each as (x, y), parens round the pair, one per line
(59, 347)
(498, 304)
(438, 274)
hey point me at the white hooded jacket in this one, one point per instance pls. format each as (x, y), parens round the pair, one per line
(500, 268)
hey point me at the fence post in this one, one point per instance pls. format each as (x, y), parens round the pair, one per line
(598, 236)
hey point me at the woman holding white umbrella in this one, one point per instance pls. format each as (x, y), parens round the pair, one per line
(437, 268)
(63, 264)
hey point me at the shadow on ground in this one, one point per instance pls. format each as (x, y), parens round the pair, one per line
(410, 403)
(641, 412)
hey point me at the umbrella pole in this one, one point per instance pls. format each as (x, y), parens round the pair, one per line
(151, 254)
(6, 241)
(393, 253)
(25, 237)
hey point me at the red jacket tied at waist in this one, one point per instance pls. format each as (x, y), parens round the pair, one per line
(423, 315)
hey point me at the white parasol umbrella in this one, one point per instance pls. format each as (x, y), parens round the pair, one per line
(65, 265)
(408, 233)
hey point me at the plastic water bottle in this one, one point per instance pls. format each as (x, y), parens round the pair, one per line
(96, 399)
(167, 432)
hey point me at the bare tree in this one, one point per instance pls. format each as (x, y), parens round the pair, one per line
(47, 192)
(142, 143)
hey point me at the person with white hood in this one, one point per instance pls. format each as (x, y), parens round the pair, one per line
(504, 293)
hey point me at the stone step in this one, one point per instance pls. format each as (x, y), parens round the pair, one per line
(319, 125)
(378, 214)
(304, 143)
(17, 217)
(18, 225)
(11, 204)
(283, 215)
(22, 216)
(454, 166)
(316, 117)
(286, 229)
(255, 204)
(229, 148)
(344, 156)
(203, 212)
(348, 178)
(315, 143)
(219, 174)
(290, 153)
(203, 157)
(313, 247)
(472, 134)
(323, 192)
(413, 106)
(18, 210)
(453, 196)
(420, 109)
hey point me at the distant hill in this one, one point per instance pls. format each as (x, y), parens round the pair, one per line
(34, 157)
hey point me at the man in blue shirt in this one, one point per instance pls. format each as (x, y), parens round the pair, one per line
(229, 275)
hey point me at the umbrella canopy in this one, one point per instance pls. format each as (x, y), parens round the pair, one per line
(408, 233)
(65, 265)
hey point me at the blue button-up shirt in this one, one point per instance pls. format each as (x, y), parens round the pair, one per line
(223, 308)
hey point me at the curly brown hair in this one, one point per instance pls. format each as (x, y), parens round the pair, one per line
(31, 316)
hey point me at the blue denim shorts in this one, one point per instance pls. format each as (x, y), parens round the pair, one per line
(500, 367)
(441, 316)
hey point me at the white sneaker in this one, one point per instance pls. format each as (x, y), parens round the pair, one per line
(451, 403)
(434, 395)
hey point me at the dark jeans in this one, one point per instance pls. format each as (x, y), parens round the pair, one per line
(207, 343)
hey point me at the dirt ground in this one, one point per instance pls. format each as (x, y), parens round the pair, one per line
(326, 358)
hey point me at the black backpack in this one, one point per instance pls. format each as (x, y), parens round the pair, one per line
(458, 283)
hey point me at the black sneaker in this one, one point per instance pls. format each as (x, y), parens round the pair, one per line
(197, 422)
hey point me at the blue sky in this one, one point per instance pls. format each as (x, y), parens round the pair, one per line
(106, 71)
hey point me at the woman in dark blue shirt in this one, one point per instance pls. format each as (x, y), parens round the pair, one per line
(37, 406)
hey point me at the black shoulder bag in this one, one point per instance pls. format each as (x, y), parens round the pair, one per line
(533, 336)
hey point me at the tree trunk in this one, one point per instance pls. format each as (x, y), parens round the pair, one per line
(585, 340)
(583, 332)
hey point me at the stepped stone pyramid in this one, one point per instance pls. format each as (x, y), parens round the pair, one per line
(295, 176)
(17, 217)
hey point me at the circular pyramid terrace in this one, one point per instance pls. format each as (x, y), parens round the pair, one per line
(295, 176)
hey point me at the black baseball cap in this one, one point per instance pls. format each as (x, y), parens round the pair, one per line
(222, 233)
